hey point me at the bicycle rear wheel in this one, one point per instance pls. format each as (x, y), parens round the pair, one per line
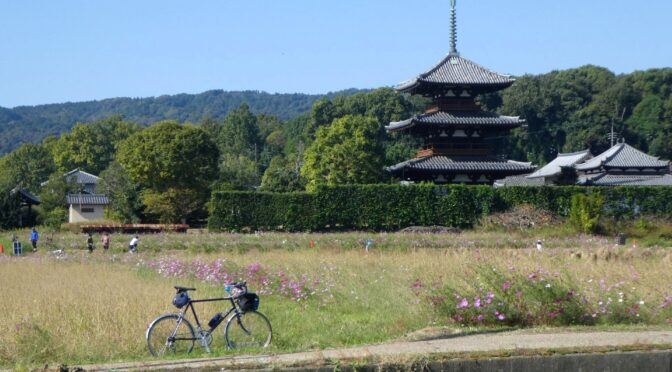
(170, 334)
(249, 330)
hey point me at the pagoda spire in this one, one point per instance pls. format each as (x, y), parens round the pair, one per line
(453, 29)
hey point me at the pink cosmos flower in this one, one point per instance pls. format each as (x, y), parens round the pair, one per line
(477, 302)
(464, 303)
(480, 317)
(506, 285)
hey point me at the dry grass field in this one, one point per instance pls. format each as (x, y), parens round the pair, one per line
(84, 308)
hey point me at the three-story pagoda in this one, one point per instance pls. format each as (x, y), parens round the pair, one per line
(457, 135)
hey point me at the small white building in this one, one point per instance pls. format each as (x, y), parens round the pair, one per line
(86, 207)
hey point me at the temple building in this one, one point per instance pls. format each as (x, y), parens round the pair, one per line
(620, 165)
(458, 137)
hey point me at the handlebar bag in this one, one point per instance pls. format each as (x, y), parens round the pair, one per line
(248, 302)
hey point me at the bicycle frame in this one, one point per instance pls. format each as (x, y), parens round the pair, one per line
(202, 335)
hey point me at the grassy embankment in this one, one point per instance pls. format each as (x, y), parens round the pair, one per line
(95, 308)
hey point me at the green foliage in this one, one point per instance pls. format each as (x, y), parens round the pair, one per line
(10, 207)
(239, 134)
(585, 212)
(53, 209)
(172, 205)
(33, 123)
(123, 193)
(346, 152)
(393, 207)
(283, 175)
(237, 172)
(169, 155)
(91, 147)
(27, 167)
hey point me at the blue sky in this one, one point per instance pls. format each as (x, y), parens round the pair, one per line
(76, 50)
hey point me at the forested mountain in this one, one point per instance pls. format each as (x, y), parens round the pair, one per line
(31, 124)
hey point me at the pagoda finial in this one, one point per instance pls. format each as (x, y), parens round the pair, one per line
(453, 29)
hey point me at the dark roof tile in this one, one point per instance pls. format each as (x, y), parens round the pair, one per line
(459, 118)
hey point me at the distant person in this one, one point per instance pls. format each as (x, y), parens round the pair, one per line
(105, 240)
(16, 244)
(34, 236)
(89, 243)
(133, 245)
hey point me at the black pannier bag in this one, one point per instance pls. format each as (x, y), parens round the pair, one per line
(248, 302)
(180, 300)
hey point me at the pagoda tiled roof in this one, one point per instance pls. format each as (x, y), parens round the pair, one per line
(458, 72)
(462, 164)
(622, 155)
(605, 179)
(522, 180)
(457, 118)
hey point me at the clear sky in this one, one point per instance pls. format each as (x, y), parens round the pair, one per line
(75, 50)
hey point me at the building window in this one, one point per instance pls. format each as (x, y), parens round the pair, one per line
(87, 210)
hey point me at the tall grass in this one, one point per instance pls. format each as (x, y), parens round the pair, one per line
(84, 308)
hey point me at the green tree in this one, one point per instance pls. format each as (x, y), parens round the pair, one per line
(346, 152)
(237, 172)
(53, 209)
(283, 175)
(167, 155)
(173, 204)
(27, 167)
(239, 134)
(174, 159)
(91, 147)
(123, 193)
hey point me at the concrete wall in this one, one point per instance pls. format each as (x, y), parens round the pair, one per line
(645, 361)
(76, 214)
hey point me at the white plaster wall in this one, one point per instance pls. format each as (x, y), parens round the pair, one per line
(76, 214)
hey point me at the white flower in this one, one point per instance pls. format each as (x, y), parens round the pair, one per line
(548, 285)
(620, 300)
(641, 302)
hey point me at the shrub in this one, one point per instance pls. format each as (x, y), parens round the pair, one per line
(394, 207)
(585, 212)
(514, 298)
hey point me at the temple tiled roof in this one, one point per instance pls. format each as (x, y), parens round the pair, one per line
(605, 179)
(88, 199)
(563, 160)
(460, 118)
(82, 177)
(622, 156)
(455, 71)
(523, 180)
(462, 164)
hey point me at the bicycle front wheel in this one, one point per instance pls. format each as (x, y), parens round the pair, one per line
(249, 330)
(170, 334)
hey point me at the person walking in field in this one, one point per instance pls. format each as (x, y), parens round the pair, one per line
(133, 245)
(34, 236)
(106, 241)
(89, 243)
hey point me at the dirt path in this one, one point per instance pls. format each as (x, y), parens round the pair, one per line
(486, 344)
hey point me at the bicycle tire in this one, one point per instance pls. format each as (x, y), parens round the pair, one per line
(162, 329)
(255, 333)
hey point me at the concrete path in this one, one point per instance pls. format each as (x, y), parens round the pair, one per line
(482, 343)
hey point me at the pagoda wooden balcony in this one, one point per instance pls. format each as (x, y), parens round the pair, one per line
(458, 150)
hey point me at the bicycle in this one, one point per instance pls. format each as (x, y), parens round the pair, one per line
(245, 326)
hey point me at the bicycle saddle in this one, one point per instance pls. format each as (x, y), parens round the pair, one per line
(184, 289)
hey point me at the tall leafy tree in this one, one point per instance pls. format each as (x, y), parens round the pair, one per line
(91, 147)
(27, 167)
(170, 158)
(123, 193)
(239, 134)
(283, 175)
(348, 151)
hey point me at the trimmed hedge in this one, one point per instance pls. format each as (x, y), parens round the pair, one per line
(392, 207)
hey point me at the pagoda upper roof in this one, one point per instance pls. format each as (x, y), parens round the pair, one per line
(455, 72)
(457, 118)
(463, 164)
(622, 155)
